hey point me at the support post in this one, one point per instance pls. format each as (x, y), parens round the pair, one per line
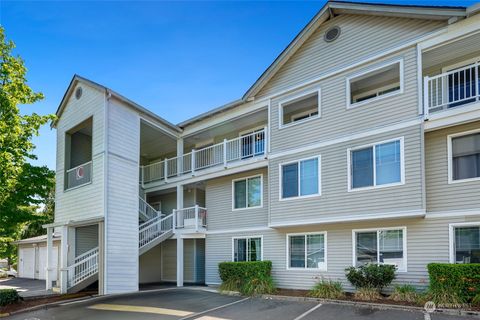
(477, 85)
(174, 219)
(265, 141)
(64, 261)
(193, 162)
(165, 169)
(196, 218)
(425, 98)
(101, 258)
(179, 262)
(49, 269)
(179, 157)
(224, 153)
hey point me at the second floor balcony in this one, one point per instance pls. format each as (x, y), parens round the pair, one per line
(221, 155)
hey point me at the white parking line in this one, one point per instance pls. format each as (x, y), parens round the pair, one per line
(306, 313)
(213, 309)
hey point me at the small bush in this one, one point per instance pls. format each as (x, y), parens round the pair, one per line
(405, 293)
(476, 301)
(327, 289)
(376, 276)
(367, 294)
(247, 277)
(453, 284)
(8, 296)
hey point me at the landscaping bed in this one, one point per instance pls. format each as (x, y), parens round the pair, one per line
(33, 302)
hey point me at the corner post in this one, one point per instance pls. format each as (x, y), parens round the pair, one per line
(179, 261)
(49, 269)
(64, 261)
(224, 153)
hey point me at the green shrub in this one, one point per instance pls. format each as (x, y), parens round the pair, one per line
(476, 301)
(406, 293)
(327, 289)
(453, 284)
(371, 275)
(367, 294)
(8, 296)
(247, 277)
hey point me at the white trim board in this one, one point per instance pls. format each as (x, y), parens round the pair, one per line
(246, 192)
(323, 268)
(450, 137)
(451, 237)
(247, 250)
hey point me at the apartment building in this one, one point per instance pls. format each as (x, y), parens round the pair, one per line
(359, 144)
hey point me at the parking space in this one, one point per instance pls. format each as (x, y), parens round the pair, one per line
(25, 287)
(190, 303)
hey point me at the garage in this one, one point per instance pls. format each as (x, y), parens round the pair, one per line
(32, 257)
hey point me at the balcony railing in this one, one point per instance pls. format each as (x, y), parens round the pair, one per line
(79, 175)
(221, 154)
(190, 218)
(451, 89)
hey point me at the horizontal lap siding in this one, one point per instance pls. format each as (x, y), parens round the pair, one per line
(122, 206)
(169, 260)
(427, 241)
(218, 194)
(362, 36)
(336, 120)
(442, 196)
(86, 201)
(336, 201)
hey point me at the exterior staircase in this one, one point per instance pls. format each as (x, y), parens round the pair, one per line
(154, 228)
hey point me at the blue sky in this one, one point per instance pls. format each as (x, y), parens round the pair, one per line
(178, 59)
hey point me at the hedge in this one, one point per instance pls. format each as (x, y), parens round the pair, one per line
(462, 280)
(248, 277)
(8, 296)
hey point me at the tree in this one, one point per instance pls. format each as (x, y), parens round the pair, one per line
(23, 187)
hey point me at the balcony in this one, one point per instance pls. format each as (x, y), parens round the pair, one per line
(219, 155)
(190, 219)
(79, 175)
(452, 89)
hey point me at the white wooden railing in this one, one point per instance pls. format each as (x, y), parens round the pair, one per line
(451, 89)
(85, 266)
(190, 218)
(79, 175)
(146, 211)
(220, 154)
(154, 228)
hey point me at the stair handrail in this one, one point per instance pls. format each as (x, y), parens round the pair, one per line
(153, 229)
(147, 209)
(83, 268)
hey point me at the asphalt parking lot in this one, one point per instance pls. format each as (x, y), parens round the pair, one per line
(188, 303)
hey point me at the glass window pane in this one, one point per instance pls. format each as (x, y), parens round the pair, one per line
(387, 161)
(254, 192)
(297, 251)
(255, 249)
(309, 177)
(315, 251)
(362, 168)
(366, 250)
(240, 250)
(391, 247)
(240, 194)
(290, 180)
(467, 244)
(466, 156)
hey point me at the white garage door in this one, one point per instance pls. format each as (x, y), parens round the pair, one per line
(26, 264)
(42, 262)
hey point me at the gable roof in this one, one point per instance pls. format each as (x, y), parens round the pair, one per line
(334, 8)
(76, 79)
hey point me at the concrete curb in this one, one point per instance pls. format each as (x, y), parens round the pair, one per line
(382, 306)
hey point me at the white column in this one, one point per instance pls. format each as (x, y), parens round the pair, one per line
(179, 261)
(179, 156)
(64, 260)
(179, 196)
(101, 258)
(49, 269)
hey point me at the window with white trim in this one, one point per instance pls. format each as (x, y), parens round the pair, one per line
(307, 251)
(247, 193)
(465, 153)
(247, 249)
(300, 178)
(375, 165)
(383, 246)
(379, 82)
(301, 108)
(466, 244)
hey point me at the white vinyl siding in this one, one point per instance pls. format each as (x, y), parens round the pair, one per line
(381, 246)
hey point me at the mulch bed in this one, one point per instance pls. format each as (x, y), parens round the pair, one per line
(33, 302)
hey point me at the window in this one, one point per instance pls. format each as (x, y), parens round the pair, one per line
(383, 246)
(376, 165)
(247, 192)
(464, 158)
(78, 155)
(247, 249)
(466, 243)
(300, 108)
(300, 178)
(371, 85)
(307, 251)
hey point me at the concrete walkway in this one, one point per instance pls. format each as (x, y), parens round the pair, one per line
(26, 287)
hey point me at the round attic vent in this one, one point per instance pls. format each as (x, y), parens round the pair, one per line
(78, 93)
(332, 34)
